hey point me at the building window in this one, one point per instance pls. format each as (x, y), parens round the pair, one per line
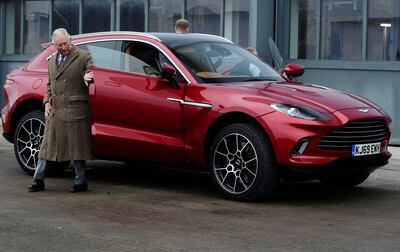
(303, 29)
(204, 16)
(96, 15)
(384, 30)
(36, 25)
(66, 15)
(236, 25)
(12, 36)
(131, 15)
(345, 29)
(341, 29)
(163, 15)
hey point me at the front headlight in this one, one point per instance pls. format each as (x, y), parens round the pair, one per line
(299, 112)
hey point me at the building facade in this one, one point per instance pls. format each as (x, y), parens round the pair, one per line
(352, 45)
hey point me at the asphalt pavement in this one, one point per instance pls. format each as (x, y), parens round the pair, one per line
(155, 209)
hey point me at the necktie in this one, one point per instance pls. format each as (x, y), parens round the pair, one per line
(60, 61)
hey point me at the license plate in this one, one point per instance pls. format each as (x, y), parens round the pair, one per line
(365, 149)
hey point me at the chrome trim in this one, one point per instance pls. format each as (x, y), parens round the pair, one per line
(195, 104)
(175, 100)
(319, 86)
(129, 33)
(51, 55)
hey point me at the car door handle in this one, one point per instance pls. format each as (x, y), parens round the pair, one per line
(195, 104)
(111, 83)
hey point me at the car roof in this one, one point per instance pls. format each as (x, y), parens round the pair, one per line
(159, 36)
(188, 37)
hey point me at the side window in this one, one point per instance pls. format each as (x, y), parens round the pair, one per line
(141, 58)
(144, 59)
(105, 54)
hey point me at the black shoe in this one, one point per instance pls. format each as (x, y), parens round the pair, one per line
(79, 188)
(38, 185)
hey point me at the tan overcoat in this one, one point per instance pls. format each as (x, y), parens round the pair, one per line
(67, 134)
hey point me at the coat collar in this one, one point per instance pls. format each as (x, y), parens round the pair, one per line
(73, 54)
(53, 65)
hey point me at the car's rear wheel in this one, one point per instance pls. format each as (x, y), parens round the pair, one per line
(242, 163)
(27, 141)
(344, 180)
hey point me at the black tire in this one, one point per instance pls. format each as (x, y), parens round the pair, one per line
(27, 141)
(242, 164)
(343, 180)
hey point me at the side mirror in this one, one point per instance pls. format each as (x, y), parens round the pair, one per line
(293, 70)
(168, 72)
(168, 69)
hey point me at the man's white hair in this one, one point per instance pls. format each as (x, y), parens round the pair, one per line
(58, 32)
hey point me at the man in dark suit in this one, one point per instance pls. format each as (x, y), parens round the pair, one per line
(182, 26)
(67, 134)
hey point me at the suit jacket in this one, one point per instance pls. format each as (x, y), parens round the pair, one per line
(67, 134)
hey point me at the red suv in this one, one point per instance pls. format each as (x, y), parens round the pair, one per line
(199, 101)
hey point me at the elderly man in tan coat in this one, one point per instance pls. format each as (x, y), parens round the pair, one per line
(67, 134)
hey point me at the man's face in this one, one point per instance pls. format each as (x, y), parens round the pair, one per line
(62, 44)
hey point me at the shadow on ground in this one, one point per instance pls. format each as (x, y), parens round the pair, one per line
(199, 184)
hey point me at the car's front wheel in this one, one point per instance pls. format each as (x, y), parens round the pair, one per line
(242, 163)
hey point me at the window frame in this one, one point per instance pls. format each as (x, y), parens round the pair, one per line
(185, 78)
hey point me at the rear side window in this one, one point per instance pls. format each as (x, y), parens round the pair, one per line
(105, 54)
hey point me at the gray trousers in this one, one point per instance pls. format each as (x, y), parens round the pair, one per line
(79, 165)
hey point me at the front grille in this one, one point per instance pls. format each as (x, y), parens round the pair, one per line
(355, 133)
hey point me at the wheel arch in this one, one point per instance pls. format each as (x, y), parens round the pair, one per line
(228, 119)
(21, 109)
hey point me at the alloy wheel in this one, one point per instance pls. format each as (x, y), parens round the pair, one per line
(235, 163)
(28, 141)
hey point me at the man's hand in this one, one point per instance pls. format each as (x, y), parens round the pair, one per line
(88, 77)
(47, 109)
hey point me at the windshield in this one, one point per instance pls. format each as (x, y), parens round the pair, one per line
(216, 62)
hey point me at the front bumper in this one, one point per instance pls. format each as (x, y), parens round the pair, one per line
(343, 166)
(286, 133)
(364, 164)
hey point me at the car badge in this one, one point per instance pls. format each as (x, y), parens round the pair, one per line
(363, 110)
